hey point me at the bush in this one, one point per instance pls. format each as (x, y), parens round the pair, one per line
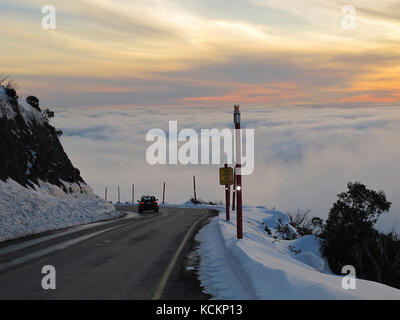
(34, 102)
(299, 219)
(351, 239)
(211, 203)
(47, 114)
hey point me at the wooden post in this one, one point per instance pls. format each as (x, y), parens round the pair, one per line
(194, 189)
(163, 194)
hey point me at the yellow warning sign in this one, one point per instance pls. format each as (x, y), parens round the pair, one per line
(226, 176)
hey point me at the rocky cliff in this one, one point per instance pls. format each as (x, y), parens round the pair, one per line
(30, 149)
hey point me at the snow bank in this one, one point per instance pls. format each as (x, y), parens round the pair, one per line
(262, 266)
(28, 211)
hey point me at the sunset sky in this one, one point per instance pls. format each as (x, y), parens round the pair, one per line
(202, 53)
(324, 101)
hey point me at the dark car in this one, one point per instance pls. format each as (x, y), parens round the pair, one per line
(147, 203)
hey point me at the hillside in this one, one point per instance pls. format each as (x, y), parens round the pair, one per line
(29, 146)
(40, 189)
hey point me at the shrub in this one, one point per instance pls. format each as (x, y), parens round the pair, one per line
(34, 102)
(285, 232)
(211, 203)
(351, 239)
(47, 114)
(299, 219)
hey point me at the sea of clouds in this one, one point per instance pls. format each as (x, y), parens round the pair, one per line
(304, 156)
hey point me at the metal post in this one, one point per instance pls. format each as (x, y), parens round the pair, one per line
(227, 197)
(119, 196)
(105, 194)
(133, 193)
(236, 117)
(163, 194)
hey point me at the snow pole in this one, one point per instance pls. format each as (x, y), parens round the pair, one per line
(238, 173)
(234, 191)
(227, 197)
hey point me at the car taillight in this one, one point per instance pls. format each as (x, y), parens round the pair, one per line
(142, 203)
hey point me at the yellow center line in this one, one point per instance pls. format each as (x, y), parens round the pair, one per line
(157, 295)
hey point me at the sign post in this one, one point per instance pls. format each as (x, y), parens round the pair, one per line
(238, 173)
(226, 179)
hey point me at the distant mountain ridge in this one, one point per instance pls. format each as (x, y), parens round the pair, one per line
(30, 149)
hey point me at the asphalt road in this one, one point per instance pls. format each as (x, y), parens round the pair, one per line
(149, 256)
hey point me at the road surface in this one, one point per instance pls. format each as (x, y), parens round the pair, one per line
(147, 256)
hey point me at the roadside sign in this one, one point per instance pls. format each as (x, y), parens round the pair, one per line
(226, 176)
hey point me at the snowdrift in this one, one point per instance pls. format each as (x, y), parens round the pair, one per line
(263, 266)
(27, 211)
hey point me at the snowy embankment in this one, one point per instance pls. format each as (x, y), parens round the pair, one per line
(26, 211)
(262, 266)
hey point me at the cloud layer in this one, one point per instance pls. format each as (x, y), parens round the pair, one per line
(304, 156)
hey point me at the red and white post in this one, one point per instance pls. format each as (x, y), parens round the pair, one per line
(238, 173)
(227, 198)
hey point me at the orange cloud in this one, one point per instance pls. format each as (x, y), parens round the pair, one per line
(253, 94)
(371, 98)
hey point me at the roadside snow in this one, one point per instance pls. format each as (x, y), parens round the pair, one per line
(28, 211)
(263, 267)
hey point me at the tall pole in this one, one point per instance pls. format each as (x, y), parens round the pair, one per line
(236, 117)
(133, 193)
(194, 189)
(163, 194)
(105, 194)
(227, 197)
(234, 191)
(119, 196)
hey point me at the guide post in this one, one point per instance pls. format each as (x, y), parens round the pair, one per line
(226, 179)
(238, 174)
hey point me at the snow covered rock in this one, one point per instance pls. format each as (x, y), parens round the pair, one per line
(29, 147)
(40, 189)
